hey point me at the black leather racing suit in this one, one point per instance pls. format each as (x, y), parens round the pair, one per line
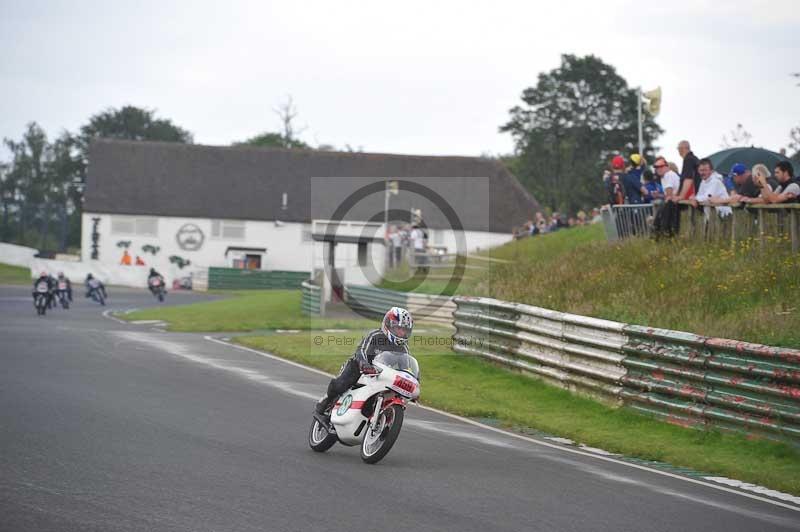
(372, 344)
(48, 280)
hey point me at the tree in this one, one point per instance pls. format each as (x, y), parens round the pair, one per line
(737, 138)
(38, 188)
(132, 123)
(570, 123)
(287, 138)
(273, 140)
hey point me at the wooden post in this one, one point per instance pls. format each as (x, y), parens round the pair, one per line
(793, 229)
(761, 229)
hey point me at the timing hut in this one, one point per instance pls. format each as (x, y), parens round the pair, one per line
(271, 209)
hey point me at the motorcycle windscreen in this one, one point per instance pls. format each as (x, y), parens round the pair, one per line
(398, 360)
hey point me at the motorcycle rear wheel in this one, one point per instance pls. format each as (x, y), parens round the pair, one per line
(377, 443)
(319, 439)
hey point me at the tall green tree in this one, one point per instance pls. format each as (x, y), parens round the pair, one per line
(569, 125)
(132, 123)
(38, 189)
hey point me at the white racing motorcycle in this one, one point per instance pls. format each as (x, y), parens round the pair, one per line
(371, 413)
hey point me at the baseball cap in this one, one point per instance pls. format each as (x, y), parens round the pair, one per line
(617, 163)
(738, 169)
(636, 159)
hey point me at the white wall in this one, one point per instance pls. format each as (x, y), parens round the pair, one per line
(285, 248)
(16, 255)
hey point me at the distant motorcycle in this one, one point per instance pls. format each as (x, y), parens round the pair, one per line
(156, 285)
(95, 291)
(370, 414)
(40, 298)
(63, 294)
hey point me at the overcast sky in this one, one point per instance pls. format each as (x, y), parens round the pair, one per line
(430, 77)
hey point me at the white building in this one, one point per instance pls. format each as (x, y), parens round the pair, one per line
(255, 208)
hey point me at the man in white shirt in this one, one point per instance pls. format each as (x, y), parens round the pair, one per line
(395, 246)
(418, 241)
(712, 190)
(670, 181)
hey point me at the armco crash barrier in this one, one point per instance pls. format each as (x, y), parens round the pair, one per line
(374, 301)
(311, 302)
(682, 378)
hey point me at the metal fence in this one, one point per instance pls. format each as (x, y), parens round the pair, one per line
(634, 220)
(679, 377)
(375, 302)
(311, 303)
(239, 279)
(762, 223)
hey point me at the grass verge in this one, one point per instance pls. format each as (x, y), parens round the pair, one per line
(738, 292)
(472, 387)
(245, 310)
(14, 275)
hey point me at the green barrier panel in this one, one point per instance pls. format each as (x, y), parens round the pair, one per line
(238, 279)
(373, 301)
(727, 385)
(311, 303)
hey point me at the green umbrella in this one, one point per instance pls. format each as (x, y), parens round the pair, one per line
(725, 159)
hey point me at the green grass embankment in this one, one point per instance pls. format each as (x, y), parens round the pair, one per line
(743, 292)
(14, 275)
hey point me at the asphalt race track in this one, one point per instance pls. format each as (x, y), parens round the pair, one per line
(107, 426)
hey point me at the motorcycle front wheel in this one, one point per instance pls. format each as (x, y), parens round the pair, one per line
(378, 440)
(319, 439)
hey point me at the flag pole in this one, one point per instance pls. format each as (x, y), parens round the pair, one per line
(639, 120)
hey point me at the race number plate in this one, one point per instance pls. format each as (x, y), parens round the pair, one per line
(404, 384)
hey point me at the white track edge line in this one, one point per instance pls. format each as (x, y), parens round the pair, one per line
(528, 439)
(107, 314)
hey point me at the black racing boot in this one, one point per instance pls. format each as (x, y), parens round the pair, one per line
(322, 410)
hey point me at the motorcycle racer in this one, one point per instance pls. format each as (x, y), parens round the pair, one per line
(394, 333)
(46, 279)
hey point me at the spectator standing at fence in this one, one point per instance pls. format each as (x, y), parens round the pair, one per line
(667, 220)
(632, 181)
(652, 188)
(711, 190)
(689, 170)
(616, 193)
(746, 188)
(788, 190)
(670, 181)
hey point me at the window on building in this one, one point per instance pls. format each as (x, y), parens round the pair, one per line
(134, 226)
(227, 229)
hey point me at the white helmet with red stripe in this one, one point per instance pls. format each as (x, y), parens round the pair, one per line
(397, 325)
